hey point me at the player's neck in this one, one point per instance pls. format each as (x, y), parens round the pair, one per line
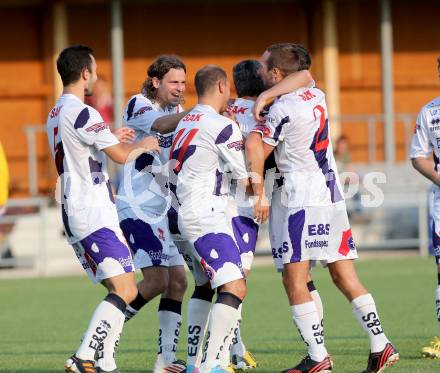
(162, 104)
(217, 106)
(75, 90)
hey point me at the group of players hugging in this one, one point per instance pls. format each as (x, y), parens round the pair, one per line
(194, 187)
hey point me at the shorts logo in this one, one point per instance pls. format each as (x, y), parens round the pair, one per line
(319, 229)
(278, 253)
(347, 243)
(351, 244)
(126, 262)
(209, 271)
(315, 243)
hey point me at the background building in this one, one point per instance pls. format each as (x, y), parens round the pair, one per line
(346, 38)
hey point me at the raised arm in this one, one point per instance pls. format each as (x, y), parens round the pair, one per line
(123, 152)
(290, 83)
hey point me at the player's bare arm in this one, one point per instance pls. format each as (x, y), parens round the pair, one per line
(123, 152)
(255, 165)
(290, 83)
(425, 167)
(167, 123)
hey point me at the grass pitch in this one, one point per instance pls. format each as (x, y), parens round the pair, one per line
(42, 321)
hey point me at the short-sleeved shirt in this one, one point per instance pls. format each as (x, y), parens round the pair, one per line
(242, 109)
(143, 185)
(297, 126)
(426, 139)
(206, 145)
(77, 135)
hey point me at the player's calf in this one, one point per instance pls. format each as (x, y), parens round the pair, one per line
(223, 318)
(199, 307)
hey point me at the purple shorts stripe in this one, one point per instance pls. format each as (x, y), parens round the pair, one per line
(103, 244)
(216, 249)
(140, 236)
(296, 226)
(245, 233)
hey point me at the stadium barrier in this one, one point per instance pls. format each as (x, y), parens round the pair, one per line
(29, 208)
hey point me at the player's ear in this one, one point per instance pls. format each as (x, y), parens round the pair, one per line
(85, 74)
(221, 86)
(156, 82)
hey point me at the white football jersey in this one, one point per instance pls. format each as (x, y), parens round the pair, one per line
(297, 125)
(142, 185)
(242, 108)
(77, 135)
(206, 145)
(426, 139)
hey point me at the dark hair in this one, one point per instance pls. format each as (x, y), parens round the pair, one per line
(158, 69)
(247, 79)
(207, 77)
(289, 58)
(72, 61)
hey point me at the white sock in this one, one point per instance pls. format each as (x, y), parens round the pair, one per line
(238, 348)
(106, 356)
(198, 313)
(307, 321)
(222, 320)
(106, 319)
(130, 312)
(318, 302)
(437, 302)
(169, 330)
(366, 314)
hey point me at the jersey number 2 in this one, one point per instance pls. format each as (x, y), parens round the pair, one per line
(321, 141)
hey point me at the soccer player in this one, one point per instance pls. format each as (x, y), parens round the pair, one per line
(249, 86)
(143, 203)
(425, 144)
(311, 213)
(206, 145)
(79, 140)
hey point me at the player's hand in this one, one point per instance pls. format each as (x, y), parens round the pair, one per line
(261, 208)
(150, 144)
(125, 134)
(258, 107)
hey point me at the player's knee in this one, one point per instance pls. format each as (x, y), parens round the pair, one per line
(178, 282)
(237, 288)
(337, 279)
(161, 284)
(127, 292)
